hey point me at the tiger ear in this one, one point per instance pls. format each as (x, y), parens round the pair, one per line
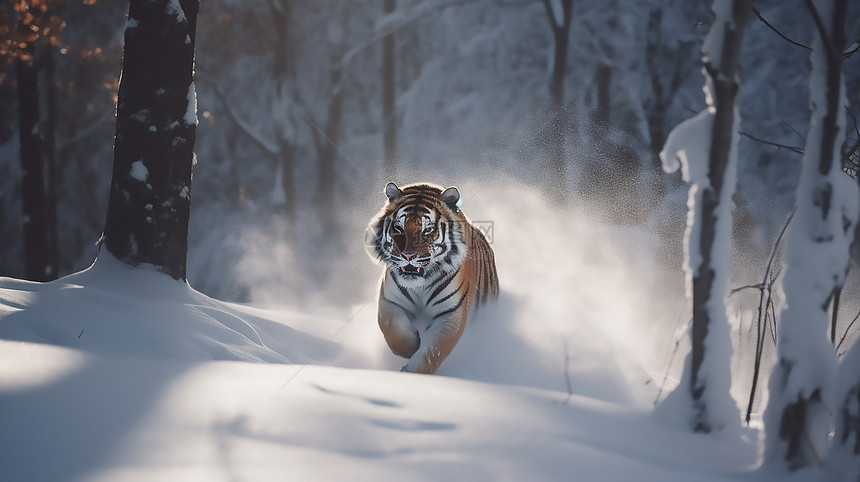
(392, 191)
(451, 197)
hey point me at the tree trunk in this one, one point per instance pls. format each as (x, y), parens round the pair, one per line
(558, 124)
(843, 460)
(36, 253)
(51, 163)
(704, 391)
(327, 145)
(797, 418)
(150, 195)
(389, 96)
(716, 199)
(284, 71)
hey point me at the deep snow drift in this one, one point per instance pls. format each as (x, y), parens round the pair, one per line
(117, 373)
(125, 374)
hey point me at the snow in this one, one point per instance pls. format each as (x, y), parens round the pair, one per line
(139, 171)
(843, 461)
(688, 147)
(125, 374)
(190, 117)
(816, 262)
(174, 8)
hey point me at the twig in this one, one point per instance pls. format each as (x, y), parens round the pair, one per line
(765, 306)
(796, 149)
(854, 119)
(671, 359)
(845, 335)
(567, 372)
(795, 131)
(747, 287)
(264, 144)
(793, 42)
(851, 50)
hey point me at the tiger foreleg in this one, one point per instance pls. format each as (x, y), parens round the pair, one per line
(401, 336)
(437, 343)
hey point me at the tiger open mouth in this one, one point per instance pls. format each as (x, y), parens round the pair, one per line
(411, 270)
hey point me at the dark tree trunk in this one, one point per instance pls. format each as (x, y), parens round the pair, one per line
(723, 74)
(150, 195)
(558, 124)
(36, 253)
(389, 109)
(51, 158)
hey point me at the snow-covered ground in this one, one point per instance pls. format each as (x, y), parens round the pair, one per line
(117, 373)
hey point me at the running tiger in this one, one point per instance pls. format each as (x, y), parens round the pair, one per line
(437, 266)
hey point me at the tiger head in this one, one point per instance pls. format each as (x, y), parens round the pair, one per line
(419, 231)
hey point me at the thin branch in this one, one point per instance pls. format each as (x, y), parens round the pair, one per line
(758, 286)
(795, 131)
(567, 372)
(845, 335)
(765, 306)
(671, 360)
(793, 42)
(853, 118)
(796, 149)
(267, 146)
(320, 137)
(851, 50)
(383, 27)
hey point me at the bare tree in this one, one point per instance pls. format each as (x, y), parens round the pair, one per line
(707, 379)
(150, 195)
(797, 417)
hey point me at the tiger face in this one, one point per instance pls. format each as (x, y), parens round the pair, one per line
(418, 233)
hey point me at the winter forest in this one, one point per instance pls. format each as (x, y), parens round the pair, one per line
(670, 190)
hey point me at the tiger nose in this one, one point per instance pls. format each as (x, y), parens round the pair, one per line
(408, 256)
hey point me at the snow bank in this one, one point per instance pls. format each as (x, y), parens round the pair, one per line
(123, 419)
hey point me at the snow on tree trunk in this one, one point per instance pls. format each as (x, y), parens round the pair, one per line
(150, 195)
(706, 145)
(843, 461)
(797, 417)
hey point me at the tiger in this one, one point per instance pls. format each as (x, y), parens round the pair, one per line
(438, 265)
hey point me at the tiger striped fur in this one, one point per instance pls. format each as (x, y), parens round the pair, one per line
(438, 265)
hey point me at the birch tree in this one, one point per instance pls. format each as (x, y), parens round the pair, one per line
(706, 145)
(797, 417)
(150, 194)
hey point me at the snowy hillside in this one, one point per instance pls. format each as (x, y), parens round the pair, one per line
(123, 374)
